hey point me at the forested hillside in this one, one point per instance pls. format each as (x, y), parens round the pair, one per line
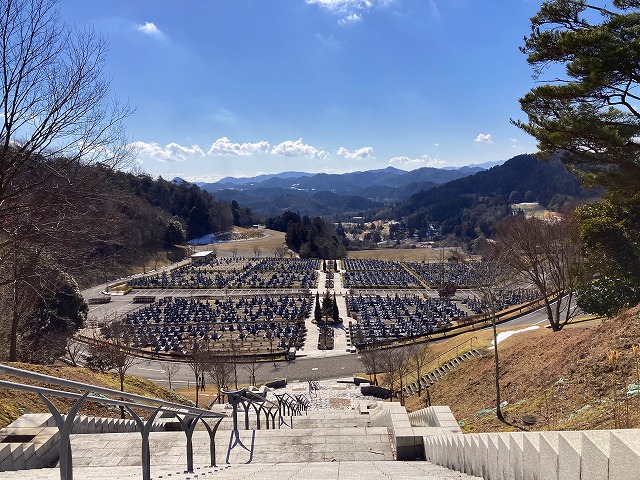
(309, 237)
(157, 214)
(469, 207)
(79, 225)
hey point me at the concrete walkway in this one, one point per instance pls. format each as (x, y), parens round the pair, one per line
(340, 330)
(357, 470)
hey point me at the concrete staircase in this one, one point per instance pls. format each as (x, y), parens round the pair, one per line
(327, 444)
(343, 435)
(433, 376)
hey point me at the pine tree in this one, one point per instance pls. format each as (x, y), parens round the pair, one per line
(327, 305)
(317, 312)
(336, 312)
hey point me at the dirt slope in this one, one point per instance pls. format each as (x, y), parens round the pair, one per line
(563, 379)
(14, 403)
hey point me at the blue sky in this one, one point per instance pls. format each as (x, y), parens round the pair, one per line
(241, 87)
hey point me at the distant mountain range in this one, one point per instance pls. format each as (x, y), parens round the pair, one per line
(329, 194)
(259, 178)
(522, 178)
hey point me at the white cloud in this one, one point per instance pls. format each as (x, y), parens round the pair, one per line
(149, 28)
(329, 41)
(349, 8)
(224, 147)
(422, 161)
(226, 117)
(341, 6)
(290, 148)
(170, 153)
(435, 11)
(483, 138)
(360, 153)
(350, 19)
(199, 178)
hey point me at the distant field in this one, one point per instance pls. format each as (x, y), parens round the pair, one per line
(401, 254)
(533, 209)
(273, 240)
(245, 247)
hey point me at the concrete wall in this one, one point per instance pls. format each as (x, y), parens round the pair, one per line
(407, 434)
(573, 455)
(42, 450)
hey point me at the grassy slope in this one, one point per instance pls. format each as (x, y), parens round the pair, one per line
(564, 379)
(245, 248)
(15, 403)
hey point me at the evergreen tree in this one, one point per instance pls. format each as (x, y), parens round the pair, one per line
(336, 311)
(590, 115)
(327, 305)
(317, 313)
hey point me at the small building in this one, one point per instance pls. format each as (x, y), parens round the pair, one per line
(203, 256)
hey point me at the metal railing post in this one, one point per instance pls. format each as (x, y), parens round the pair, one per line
(145, 429)
(212, 439)
(188, 425)
(65, 424)
(64, 427)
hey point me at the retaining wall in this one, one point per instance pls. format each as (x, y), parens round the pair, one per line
(42, 449)
(570, 455)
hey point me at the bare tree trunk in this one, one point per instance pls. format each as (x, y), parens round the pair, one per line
(15, 318)
(121, 375)
(428, 396)
(497, 369)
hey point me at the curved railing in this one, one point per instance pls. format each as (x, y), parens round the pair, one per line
(286, 406)
(187, 416)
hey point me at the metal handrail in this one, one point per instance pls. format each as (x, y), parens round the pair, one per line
(455, 347)
(186, 416)
(62, 382)
(92, 398)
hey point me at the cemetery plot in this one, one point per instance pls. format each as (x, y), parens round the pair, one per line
(235, 273)
(278, 273)
(377, 273)
(215, 273)
(463, 275)
(396, 317)
(242, 325)
(506, 299)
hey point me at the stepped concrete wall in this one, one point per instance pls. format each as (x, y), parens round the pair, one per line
(571, 455)
(42, 450)
(407, 434)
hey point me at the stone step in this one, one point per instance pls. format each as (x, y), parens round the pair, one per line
(283, 445)
(339, 470)
(310, 419)
(352, 420)
(41, 450)
(431, 377)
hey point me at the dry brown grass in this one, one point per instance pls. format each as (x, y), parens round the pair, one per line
(399, 254)
(14, 403)
(245, 248)
(562, 378)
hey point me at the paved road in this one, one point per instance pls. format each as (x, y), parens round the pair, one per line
(316, 368)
